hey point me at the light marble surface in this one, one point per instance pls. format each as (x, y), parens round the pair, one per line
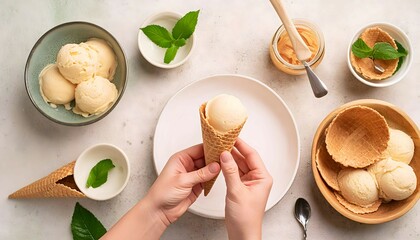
(232, 37)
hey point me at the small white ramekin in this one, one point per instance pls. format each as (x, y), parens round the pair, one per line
(117, 177)
(398, 35)
(155, 54)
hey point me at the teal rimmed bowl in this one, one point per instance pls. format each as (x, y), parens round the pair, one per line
(45, 52)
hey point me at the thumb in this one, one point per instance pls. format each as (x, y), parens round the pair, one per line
(230, 170)
(203, 174)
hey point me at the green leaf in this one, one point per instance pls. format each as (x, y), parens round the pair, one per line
(180, 42)
(400, 49)
(99, 173)
(385, 51)
(84, 225)
(185, 26)
(360, 49)
(170, 54)
(158, 35)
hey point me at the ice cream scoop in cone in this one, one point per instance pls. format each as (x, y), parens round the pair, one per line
(59, 183)
(220, 128)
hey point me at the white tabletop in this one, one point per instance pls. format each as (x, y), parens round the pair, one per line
(232, 37)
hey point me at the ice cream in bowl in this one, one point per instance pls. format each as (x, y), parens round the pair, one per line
(366, 162)
(76, 73)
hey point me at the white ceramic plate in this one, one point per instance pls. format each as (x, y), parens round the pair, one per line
(270, 129)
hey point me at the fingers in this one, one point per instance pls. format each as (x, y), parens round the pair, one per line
(202, 175)
(189, 156)
(240, 160)
(230, 170)
(199, 163)
(251, 157)
(194, 152)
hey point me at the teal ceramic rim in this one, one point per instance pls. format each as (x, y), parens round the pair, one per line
(26, 79)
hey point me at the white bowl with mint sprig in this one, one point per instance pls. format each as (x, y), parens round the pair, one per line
(396, 56)
(166, 39)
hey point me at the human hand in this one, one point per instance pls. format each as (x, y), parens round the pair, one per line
(179, 183)
(248, 187)
(176, 188)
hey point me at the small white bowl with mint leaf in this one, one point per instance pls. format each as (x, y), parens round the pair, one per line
(380, 55)
(166, 39)
(102, 171)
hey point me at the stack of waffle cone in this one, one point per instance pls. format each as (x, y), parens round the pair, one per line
(59, 183)
(357, 137)
(215, 143)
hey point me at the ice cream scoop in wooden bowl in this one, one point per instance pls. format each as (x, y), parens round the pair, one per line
(355, 122)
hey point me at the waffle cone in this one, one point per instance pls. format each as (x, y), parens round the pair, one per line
(327, 167)
(59, 183)
(358, 209)
(366, 66)
(357, 137)
(215, 143)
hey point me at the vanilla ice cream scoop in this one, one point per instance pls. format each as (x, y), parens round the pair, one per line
(54, 88)
(358, 186)
(400, 146)
(107, 60)
(225, 112)
(396, 180)
(77, 62)
(94, 96)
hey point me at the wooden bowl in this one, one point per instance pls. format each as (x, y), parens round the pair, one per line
(396, 118)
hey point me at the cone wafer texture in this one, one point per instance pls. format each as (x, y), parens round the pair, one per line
(215, 143)
(358, 209)
(357, 137)
(59, 183)
(327, 167)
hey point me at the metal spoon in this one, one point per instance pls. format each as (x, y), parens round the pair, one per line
(302, 213)
(301, 49)
(318, 87)
(378, 68)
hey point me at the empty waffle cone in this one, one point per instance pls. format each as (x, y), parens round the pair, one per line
(215, 143)
(358, 209)
(327, 167)
(59, 183)
(357, 137)
(366, 66)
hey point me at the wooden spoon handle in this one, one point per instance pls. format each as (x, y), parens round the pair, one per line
(301, 49)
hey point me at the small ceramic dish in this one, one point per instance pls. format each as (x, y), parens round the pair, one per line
(399, 36)
(155, 54)
(45, 52)
(395, 118)
(117, 176)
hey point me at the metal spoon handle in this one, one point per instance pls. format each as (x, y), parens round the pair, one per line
(318, 87)
(304, 232)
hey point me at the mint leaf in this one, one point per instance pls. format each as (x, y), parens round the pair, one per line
(385, 51)
(400, 49)
(185, 26)
(158, 35)
(170, 54)
(84, 225)
(182, 30)
(99, 173)
(180, 42)
(360, 49)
